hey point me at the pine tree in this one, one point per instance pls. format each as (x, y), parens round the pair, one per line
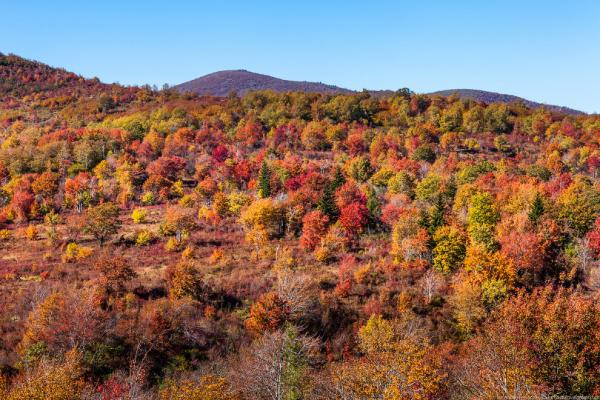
(264, 181)
(338, 180)
(374, 208)
(326, 203)
(436, 219)
(537, 209)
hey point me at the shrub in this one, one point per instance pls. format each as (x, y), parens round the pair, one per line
(173, 245)
(148, 198)
(139, 215)
(144, 238)
(5, 234)
(74, 252)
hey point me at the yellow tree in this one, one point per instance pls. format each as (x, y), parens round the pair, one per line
(393, 368)
(208, 387)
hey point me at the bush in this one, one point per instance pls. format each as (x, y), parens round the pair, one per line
(139, 215)
(173, 245)
(74, 252)
(144, 238)
(148, 198)
(31, 232)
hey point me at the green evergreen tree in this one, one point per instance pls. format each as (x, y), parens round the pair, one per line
(374, 208)
(264, 181)
(295, 365)
(326, 203)
(537, 209)
(436, 218)
(338, 180)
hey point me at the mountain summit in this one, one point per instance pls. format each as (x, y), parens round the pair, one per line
(242, 81)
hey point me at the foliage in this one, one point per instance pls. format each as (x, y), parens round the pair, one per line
(139, 215)
(208, 387)
(315, 245)
(102, 221)
(449, 250)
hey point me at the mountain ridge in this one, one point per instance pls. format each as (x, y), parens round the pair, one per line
(220, 84)
(241, 81)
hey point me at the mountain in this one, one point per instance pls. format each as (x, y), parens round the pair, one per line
(20, 77)
(221, 83)
(493, 97)
(241, 81)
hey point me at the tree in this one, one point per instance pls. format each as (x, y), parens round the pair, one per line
(496, 365)
(482, 218)
(374, 207)
(354, 218)
(314, 227)
(474, 120)
(360, 169)
(579, 205)
(537, 209)
(424, 153)
(497, 118)
(402, 182)
(115, 273)
(545, 340)
(45, 185)
(409, 240)
(105, 103)
(102, 221)
(167, 167)
(349, 193)
(266, 214)
(593, 238)
(268, 314)
(51, 380)
(452, 117)
(313, 136)
(327, 202)
(61, 322)
(394, 367)
(184, 280)
(264, 181)
(276, 366)
(178, 221)
(207, 387)
(449, 251)
(501, 144)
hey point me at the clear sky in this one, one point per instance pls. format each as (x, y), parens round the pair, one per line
(546, 51)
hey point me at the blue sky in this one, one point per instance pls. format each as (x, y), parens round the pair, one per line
(546, 51)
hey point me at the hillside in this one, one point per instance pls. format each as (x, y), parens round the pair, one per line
(161, 245)
(493, 97)
(20, 77)
(241, 81)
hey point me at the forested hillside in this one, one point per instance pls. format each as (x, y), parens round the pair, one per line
(159, 245)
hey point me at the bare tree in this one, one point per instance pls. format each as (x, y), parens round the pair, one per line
(275, 365)
(431, 283)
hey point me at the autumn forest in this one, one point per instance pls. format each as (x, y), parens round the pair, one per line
(160, 244)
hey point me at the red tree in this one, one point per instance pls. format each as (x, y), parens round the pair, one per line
(314, 227)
